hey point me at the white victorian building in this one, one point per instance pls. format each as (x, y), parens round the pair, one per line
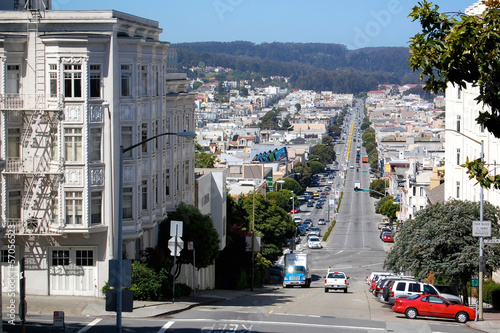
(461, 112)
(75, 86)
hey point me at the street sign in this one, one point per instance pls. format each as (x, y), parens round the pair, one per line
(172, 246)
(481, 228)
(175, 228)
(58, 319)
(474, 283)
(492, 241)
(366, 190)
(256, 244)
(364, 171)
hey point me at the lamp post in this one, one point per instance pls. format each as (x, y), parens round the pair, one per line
(281, 182)
(119, 256)
(481, 240)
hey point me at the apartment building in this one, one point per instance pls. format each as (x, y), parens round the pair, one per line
(75, 86)
(461, 112)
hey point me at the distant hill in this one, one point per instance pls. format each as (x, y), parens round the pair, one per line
(314, 66)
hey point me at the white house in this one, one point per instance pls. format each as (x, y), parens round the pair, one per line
(75, 86)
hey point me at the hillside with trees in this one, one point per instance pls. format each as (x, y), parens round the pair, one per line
(314, 66)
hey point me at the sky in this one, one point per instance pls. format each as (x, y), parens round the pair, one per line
(354, 23)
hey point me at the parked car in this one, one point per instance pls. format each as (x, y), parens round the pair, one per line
(321, 222)
(407, 288)
(387, 237)
(307, 224)
(336, 281)
(433, 306)
(384, 230)
(294, 211)
(314, 243)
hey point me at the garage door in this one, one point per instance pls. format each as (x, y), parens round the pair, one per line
(72, 271)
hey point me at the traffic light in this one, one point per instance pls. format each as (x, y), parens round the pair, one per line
(356, 189)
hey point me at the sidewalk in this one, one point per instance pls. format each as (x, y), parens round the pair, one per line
(80, 306)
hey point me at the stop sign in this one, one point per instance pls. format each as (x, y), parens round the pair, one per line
(172, 246)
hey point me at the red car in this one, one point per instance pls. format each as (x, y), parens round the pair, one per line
(387, 237)
(294, 211)
(432, 306)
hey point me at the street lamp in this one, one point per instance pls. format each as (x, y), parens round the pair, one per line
(281, 182)
(119, 257)
(481, 240)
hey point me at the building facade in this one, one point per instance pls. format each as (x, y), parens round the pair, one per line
(75, 86)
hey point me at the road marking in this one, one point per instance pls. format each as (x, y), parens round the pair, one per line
(271, 311)
(166, 326)
(90, 325)
(308, 325)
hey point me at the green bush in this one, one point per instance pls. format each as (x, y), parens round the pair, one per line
(148, 283)
(330, 228)
(491, 292)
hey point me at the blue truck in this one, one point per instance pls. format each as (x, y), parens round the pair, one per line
(297, 270)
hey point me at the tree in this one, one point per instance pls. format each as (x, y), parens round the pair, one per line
(282, 199)
(325, 153)
(197, 228)
(203, 159)
(378, 185)
(316, 167)
(388, 206)
(298, 107)
(269, 121)
(273, 223)
(440, 240)
(335, 130)
(462, 51)
(327, 140)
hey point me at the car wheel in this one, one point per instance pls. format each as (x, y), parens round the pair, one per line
(411, 313)
(326, 290)
(462, 317)
(345, 290)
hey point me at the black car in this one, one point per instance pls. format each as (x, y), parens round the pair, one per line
(318, 206)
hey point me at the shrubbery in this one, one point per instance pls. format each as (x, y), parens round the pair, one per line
(150, 285)
(330, 228)
(491, 292)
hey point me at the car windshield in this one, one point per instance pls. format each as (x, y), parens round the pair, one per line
(314, 239)
(336, 276)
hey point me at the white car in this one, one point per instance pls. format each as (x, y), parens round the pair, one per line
(314, 243)
(336, 281)
(321, 222)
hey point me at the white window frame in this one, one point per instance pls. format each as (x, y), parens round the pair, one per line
(73, 81)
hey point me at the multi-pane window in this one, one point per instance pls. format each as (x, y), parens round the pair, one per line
(155, 133)
(458, 156)
(14, 205)
(422, 192)
(459, 92)
(84, 257)
(95, 144)
(156, 81)
(127, 137)
(13, 143)
(458, 123)
(144, 80)
(458, 190)
(155, 188)
(73, 144)
(167, 129)
(144, 137)
(74, 207)
(186, 173)
(12, 80)
(126, 80)
(53, 80)
(144, 195)
(96, 207)
(54, 205)
(95, 81)
(73, 80)
(166, 176)
(127, 203)
(54, 145)
(60, 257)
(414, 191)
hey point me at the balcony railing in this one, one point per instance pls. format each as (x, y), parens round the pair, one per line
(30, 102)
(35, 226)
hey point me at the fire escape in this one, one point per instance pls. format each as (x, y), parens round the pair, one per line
(35, 170)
